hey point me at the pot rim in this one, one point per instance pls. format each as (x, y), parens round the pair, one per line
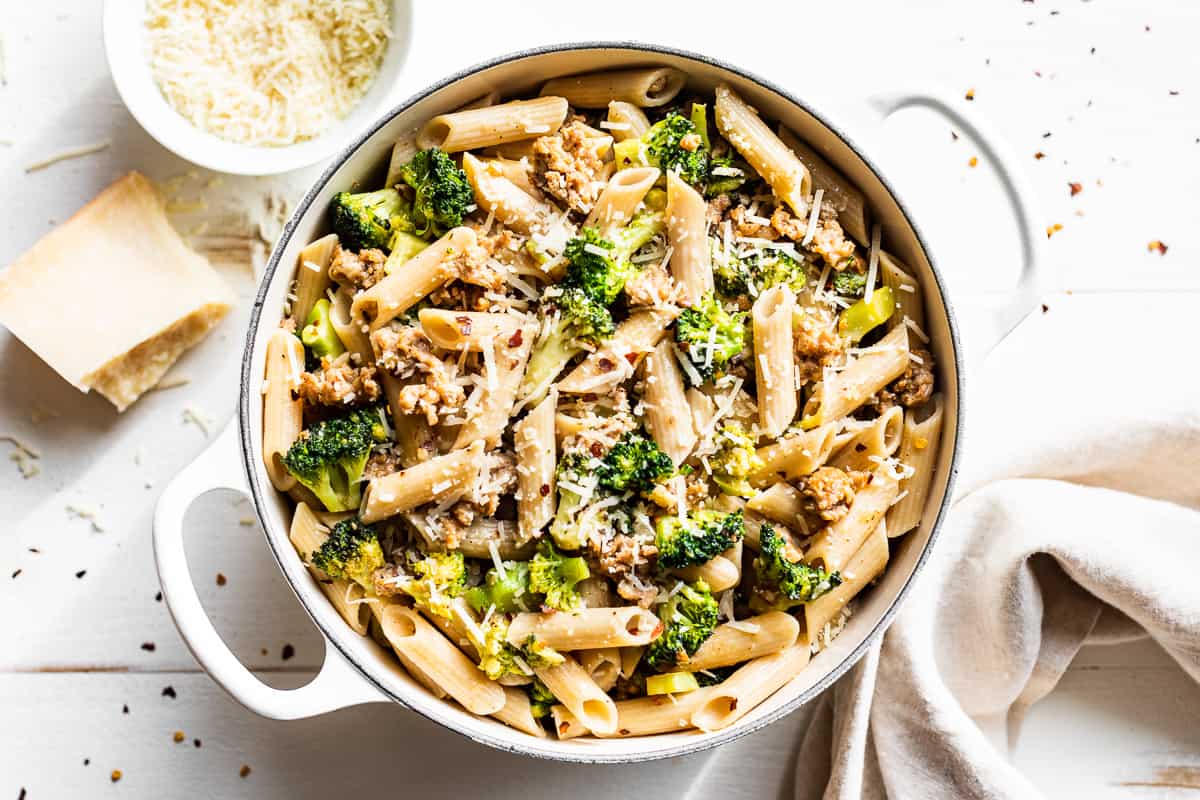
(302, 209)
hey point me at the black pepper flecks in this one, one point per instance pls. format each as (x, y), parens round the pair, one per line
(196, 742)
(81, 573)
(16, 572)
(244, 772)
(149, 647)
(158, 597)
(125, 709)
(169, 691)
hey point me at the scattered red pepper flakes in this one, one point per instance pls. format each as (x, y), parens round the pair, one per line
(221, 581)
(1076, 188)
(244, 772)
(149, 647)
(116, 775)
(178, 737)
(970, 95)
(1039, 155)
(954, 136)
(974, 162)
(87, 761)
(288, 652)
(1053, 229)
(1157, 245)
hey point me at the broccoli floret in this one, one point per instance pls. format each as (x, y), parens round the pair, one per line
(688, 620)
(731, 276)
(634, 464)
(849, 282)
(565, 530)
(710, 336)
(596, 267)
(365, 219)
(580, 321)
(498, 658)
(719, 184)
(783, 584)
(503, 592)
(702, 536)
(541, 699)
(351, 553)
(318, 333)
(644, 226)
(443, 193)
(330, 456)
(554, 575)
(436, 579)
(772, 267)
(735, 461)
(664, 148)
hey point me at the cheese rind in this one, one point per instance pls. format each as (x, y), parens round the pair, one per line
(114, 296)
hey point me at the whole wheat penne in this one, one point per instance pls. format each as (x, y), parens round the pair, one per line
(466, 330)
(763, 150)
(647, 87)
(349, 331)
(863, 567)
(910, 301)
(537, 458)
(420, 275)
(603, 664)
(615, 360)
(668, 415)
(919, 452)
(845, 197)
(403, 491)
(794, 456)
(510, 204)
(587, 628)
(639, 717)
(620, 199)
(283, 411)
(507, 367)
(738, 694)
(780, 502)
(718, 572)
(312, 276)
(687, 230)
(775, 366)
(838, 541)
(517, 713)
(487, 126)
(842, 392)
(307, 534)
(626, 121)
(865, 448)
(576, 690)
(402, 152)
(735, 642)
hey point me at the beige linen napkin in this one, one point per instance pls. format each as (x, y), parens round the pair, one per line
(1077, 521)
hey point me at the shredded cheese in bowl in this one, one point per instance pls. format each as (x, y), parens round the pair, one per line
(266, 72)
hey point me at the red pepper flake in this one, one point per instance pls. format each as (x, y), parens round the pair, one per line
(516, 339)
(606, 364)
(597, 450)
(16, 572)
(1093, 51)
(81, 573)
(974, 162)
(288, 652)
(1039, 155)
(1037, 73)
(1053, 229)
(178, 737)
(244, 772)
(221, 581)
(148, 647)
(87, 761)
(1076, 188)
(1157, 245)
(116, 775)
(1045, 308)
(954, 136)
(464, 325)
(1046, 135)
(545, 490)
(169, 691)
(33, 550)
(970, 95)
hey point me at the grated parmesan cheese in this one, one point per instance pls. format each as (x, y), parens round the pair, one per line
(265, 72)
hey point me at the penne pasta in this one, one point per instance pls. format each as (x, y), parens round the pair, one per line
(763, 150)
(431, 480)
(587, 628)
(614, 362)
(349, 331)
(508, 202)
(620, 199)
(307, 534)
(492, 125)
(312, 276)
(845, 197)
(283, 411)
(833, 546)
(466, 330)
(842, 392)
(863, 567)
(432, 267)
(504, 373)
(518, 713)
(918, 451)
(646, 87)
(517, 173)
(687, 233)
(775, 373)
(537, 458)
(738, 694)
(719, 573)
(735, 642)
(639, 717)
(780, 502)
(668, 415)
(864, 449)
(626, 121)
(402, 152)
(602, 664)
(576, 690)
(906, 291)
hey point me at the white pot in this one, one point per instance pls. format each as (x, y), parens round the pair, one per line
(356, 669)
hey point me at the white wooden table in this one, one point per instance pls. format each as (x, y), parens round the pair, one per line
(1107, 91)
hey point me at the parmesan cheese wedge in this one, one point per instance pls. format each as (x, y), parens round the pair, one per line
(111, 298)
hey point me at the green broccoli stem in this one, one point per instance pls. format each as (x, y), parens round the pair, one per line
(699, 117)
(565, 529)
(641, 229)
(318, 333)
(550, 356)
(405, 246)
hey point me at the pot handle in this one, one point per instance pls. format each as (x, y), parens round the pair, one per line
(336, 686)
(990, 317)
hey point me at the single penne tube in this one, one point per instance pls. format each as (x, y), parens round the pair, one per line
(865, 448)
(630, 656)
(794, 456)
(910, 302)
(312, 276)
(415, 438)
(518, 713)
(536, 448)
(613, 363)
(842, 392)
(763, 150)
(350, 331)
(575, 689)
(509, 203)
(703, 408)
(833, 546)
(620, 198)
(478, 539)
(516, 171)
(779, 502)
(378, 607)
(413, 281)
(283, 411)
(734, 556)
(646, 87)
(863, 567)
(641, 716)
(307, 534)
(492, 125)
(844, 196)
(513, 151)
(603, 664)
(735, 642)
(466, 330)
(718, 572)
(775, 366)
(587, 628)
(409, 633)
(626, 121)
(426, 482)
(919, 451)
(738, 694)
(402, 152)
(687, 233)
(504, 366)
(668, 415)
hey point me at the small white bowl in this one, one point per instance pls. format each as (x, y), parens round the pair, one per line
(125, 45)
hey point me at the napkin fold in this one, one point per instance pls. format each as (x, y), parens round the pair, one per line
(1077, 521)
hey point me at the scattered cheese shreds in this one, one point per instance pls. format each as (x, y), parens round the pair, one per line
(69, 153)
(24, 456)
(194, 416)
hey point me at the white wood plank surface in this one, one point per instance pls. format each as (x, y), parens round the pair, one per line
(73, 647)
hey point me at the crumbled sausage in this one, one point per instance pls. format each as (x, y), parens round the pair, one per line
(382, 462)
(829, 240)
(406, 351)
(629, 562)
(360, 270)
(568, 167)
(912, 388)
(828, 492)
(817, 342)
(748, 228)
(653, 286)
(472, 267)
(339, 382)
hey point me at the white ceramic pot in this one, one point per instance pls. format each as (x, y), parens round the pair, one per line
(356, 670)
